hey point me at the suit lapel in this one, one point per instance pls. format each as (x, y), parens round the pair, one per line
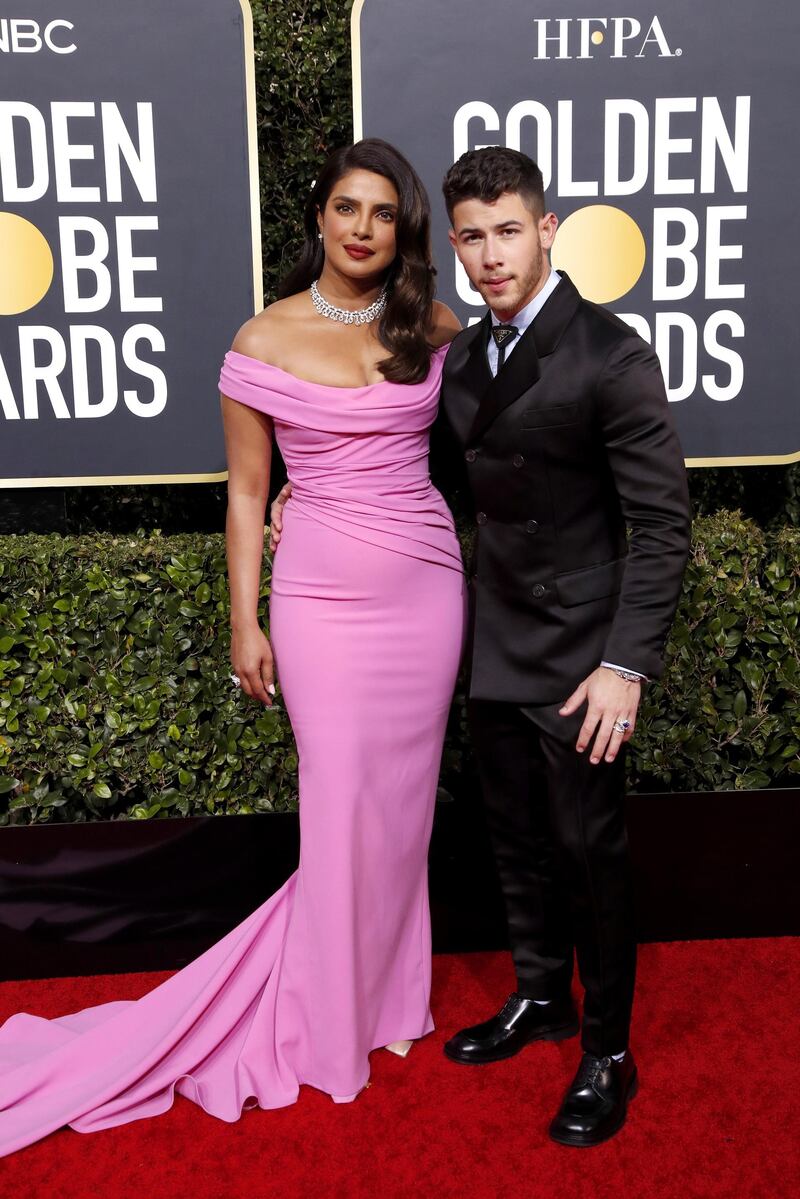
(473, 373)
(521, 371)
(551, 323)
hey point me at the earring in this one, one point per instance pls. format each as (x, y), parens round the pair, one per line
(319, 235)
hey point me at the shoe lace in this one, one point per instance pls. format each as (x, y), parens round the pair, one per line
(590, 1069)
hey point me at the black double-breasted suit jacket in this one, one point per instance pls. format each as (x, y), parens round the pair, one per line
(579, 493)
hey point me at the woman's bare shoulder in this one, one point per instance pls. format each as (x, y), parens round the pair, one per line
(264, 334)
(444, 325)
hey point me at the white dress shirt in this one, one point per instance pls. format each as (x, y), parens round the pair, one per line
(522, 321)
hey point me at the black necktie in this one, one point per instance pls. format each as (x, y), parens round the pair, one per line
(502, 335)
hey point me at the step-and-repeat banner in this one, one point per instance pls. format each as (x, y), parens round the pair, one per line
(666, 139)
(129, 235)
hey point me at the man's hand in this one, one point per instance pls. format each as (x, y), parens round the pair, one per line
(276, 516)
(610, 698)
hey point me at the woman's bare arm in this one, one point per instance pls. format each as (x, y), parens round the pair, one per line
(248, 443)
(444, 324)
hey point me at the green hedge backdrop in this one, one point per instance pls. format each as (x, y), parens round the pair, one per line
(115, 697)
(114, 692)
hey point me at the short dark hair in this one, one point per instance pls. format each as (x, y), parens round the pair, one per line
(489, 173)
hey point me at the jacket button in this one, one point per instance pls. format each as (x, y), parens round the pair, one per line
(481, 518)
(538, 590)
(470, 455)
(531, 526)
(518, 460)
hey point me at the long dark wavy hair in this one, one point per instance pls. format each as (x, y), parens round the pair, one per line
(404, 326)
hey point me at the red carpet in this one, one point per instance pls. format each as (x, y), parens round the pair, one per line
(716, 1039)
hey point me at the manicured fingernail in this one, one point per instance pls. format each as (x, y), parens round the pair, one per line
(271, 688)
(594, 761)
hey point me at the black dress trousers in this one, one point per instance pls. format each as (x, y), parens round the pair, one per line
(558, 830)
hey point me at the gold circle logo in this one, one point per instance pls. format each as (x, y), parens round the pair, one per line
(597, 37)
(26, 264)
(602, 250)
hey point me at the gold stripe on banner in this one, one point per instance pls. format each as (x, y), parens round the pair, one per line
(770, 460)
(358, 133)
(252, 155)
(101, 480)
(355, 60)
(258, 282)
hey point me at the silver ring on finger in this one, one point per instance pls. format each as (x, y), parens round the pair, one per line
(237, 682)
(621, 726)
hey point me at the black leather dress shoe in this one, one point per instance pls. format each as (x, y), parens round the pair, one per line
(518, 1022)
(596, 1104)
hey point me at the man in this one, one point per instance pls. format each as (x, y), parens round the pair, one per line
(559, 413)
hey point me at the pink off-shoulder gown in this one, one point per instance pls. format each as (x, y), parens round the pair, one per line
(367, 626)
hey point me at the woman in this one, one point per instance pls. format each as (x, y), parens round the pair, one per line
(367, 621)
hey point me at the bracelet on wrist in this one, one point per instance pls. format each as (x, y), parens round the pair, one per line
(627, 675)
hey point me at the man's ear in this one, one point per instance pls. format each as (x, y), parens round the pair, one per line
(452, 238)
(547, 229)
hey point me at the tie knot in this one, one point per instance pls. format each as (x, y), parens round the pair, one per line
(503, 334)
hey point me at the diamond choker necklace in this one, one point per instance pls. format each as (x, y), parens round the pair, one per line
(361, 316)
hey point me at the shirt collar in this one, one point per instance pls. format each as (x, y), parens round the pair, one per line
(526, 315)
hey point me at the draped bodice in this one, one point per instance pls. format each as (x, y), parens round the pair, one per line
(357, 457)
